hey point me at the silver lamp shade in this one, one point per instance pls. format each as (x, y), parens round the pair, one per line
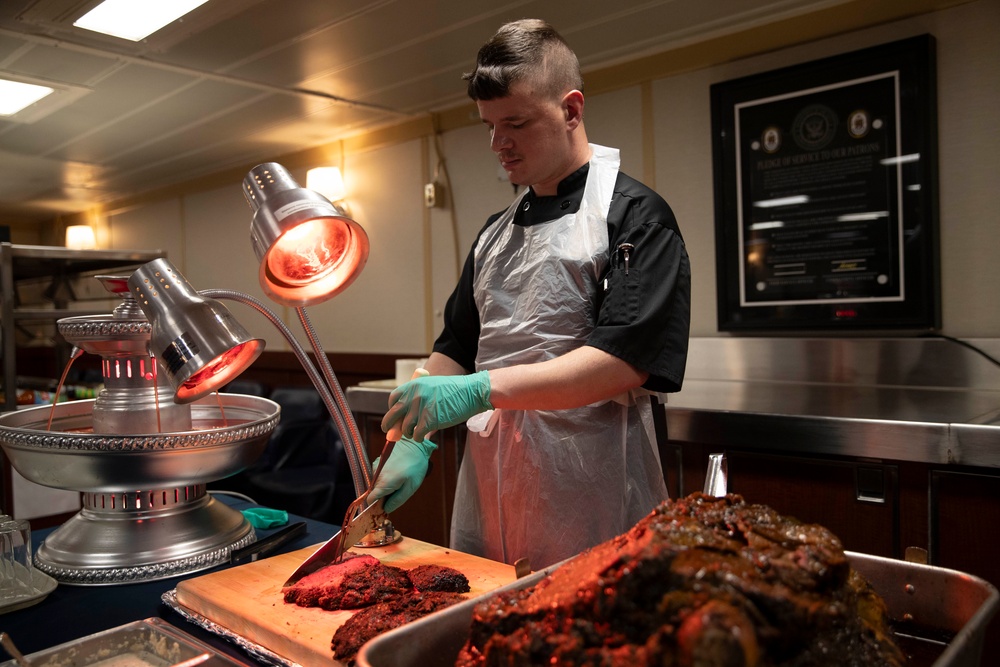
(196, 340)
(309, 250)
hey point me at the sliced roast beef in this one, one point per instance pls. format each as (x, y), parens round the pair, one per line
(384, 616)
(438, 578)
(353, 582)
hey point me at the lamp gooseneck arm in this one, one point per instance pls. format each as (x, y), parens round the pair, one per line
(338, 394)
(337, 407)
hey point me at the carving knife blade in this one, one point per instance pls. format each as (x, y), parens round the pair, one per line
(371, 518)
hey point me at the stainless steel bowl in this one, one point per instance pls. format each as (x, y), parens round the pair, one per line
(146, 511)
(229, 432)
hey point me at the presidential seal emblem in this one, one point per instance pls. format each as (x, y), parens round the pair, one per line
(814, 127)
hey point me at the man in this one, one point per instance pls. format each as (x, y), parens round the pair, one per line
(572, 306)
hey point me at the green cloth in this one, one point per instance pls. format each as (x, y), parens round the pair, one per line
(263, 517)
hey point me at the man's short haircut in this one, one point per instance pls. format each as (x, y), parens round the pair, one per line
(529, 49)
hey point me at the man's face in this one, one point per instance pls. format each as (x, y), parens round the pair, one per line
(530, 133)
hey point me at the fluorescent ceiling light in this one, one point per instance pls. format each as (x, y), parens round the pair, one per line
(15, 95)
(134, 19)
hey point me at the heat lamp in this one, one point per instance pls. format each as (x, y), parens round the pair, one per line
(143, 451)
(309, 252)
(140, 461)
(196, 340)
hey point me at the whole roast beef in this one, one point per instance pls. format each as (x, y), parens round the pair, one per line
(700, 581)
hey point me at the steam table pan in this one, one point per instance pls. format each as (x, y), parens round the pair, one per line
(938, 600)
(148, 643)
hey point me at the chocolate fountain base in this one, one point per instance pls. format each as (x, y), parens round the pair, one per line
(122, 545)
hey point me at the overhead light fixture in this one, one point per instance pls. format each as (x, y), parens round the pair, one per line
(28, 99)
(329, 182)
(134, 19)
(80, 237)
(309, 251)
(17, 95)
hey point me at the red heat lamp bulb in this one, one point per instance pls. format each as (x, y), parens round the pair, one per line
(218, 372)
(308, 253)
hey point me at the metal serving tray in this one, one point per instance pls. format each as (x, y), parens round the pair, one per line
(942, 601)
(148, 643)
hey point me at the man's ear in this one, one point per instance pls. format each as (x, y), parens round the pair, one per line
(573, 107)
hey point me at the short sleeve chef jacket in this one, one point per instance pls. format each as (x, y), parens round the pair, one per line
(643, 316)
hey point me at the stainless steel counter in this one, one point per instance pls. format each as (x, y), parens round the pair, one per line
(929, 400)
(902, 424)
(924, 400)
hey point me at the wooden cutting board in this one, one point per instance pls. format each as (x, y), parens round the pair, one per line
(247, 599)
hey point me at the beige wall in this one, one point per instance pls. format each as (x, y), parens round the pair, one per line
(663, 129)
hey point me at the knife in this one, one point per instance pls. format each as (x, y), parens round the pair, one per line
(266, 546)
(370, 519)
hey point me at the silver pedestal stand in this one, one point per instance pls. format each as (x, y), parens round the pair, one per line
(140, 461)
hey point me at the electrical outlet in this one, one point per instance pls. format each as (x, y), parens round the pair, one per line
(432, 195)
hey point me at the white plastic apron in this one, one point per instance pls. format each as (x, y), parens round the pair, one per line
(548, 484)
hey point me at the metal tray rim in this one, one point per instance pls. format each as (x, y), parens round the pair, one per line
(152, 624)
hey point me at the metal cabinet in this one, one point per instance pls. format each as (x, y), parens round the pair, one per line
(964, 513)
(857, 500)
(54, 269)
(38, 284)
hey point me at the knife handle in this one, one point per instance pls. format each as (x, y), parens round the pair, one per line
(268, 545)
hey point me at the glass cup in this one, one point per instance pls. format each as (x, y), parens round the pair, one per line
(15, 560)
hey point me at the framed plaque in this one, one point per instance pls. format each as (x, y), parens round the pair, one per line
(825, 179)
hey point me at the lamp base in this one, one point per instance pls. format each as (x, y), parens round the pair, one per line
(382, 536)
(126, 543)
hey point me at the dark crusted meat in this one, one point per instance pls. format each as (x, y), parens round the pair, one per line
(390, 596)
(363, 580)
(356, 581)
(700, 581)
(439, 578)
(385, 616)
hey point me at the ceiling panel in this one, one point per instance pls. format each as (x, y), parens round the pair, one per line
(252, 34)
(60, 64)
(238, 82)
(118, 94)
(229, 127)
(156, 119)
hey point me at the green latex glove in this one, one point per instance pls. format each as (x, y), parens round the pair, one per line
(265, 517)
(426, 404)
(403, 472)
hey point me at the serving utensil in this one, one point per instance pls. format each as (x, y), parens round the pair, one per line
(359, 520)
